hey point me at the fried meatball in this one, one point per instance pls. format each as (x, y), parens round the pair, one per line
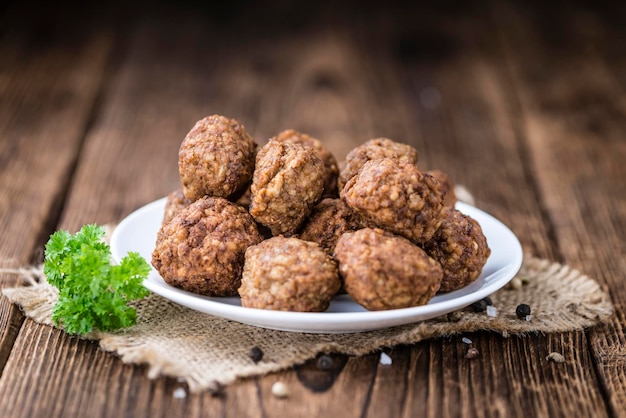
(330, 163)
(396, 196)
(446, 184)
(174, 202)
(375, 149)
(385, 271)
(460, 246)
(202, 248)
(330, 219)
(288, 274)
(288, 181)
(216, 158)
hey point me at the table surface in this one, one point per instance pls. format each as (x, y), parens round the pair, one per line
(524, 103)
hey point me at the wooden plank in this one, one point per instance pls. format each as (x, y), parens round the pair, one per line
(574, 116)
(49, 83)
(129, 158)
(340, 92)
(468, 124)
(45, 103)
(346, 397)
(392, 388)
(115, 176)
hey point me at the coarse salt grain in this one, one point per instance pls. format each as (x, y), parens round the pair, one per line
(385, 359)
(279, 389)
(528, 318)
(466, 340)
(492, 311)
(179, 393)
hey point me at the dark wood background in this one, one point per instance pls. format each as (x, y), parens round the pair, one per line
(522, 102)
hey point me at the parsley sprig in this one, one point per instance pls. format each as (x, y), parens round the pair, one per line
(93, 293)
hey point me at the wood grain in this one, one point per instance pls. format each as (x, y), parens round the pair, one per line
(128, 158)
(47, 94)
(485, 91)
(565, 112)
(472, 132)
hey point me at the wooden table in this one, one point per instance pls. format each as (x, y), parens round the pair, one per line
(523, 103)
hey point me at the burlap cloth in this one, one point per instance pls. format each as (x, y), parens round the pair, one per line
(207, 351)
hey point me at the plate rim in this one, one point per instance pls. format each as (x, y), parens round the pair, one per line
(326, 322)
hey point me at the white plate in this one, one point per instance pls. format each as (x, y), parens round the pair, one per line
(137, 232)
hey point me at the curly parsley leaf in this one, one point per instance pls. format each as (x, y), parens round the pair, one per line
(92, 292)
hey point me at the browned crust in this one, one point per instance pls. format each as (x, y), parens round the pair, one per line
(216, 158)
(396, 196)
(288, 181)
(202, 248)
(384, 271)
(447, 185)
(460, 246)
(375, 149)
(330, 219)
(330, 163)
(288, 274)
(174, 202)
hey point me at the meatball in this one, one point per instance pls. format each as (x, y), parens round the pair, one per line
(375, 149)
(330, 219)
(396, 196)
(174, 202)
(460, 246)
(202, 248)
(385, 271)
(288, 274)
(446, 184)
(216, 158)
(288, 181)
(330, 163)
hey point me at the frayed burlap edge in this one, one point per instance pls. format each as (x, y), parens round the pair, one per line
(208, 352)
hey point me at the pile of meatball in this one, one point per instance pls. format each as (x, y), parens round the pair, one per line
(285, 229)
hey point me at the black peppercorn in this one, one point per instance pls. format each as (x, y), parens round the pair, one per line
(255, 354)
(522, 311)
(479, 306)
(324, 362)
(482, 304)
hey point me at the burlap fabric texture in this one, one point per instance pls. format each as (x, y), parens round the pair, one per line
(208, 352)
